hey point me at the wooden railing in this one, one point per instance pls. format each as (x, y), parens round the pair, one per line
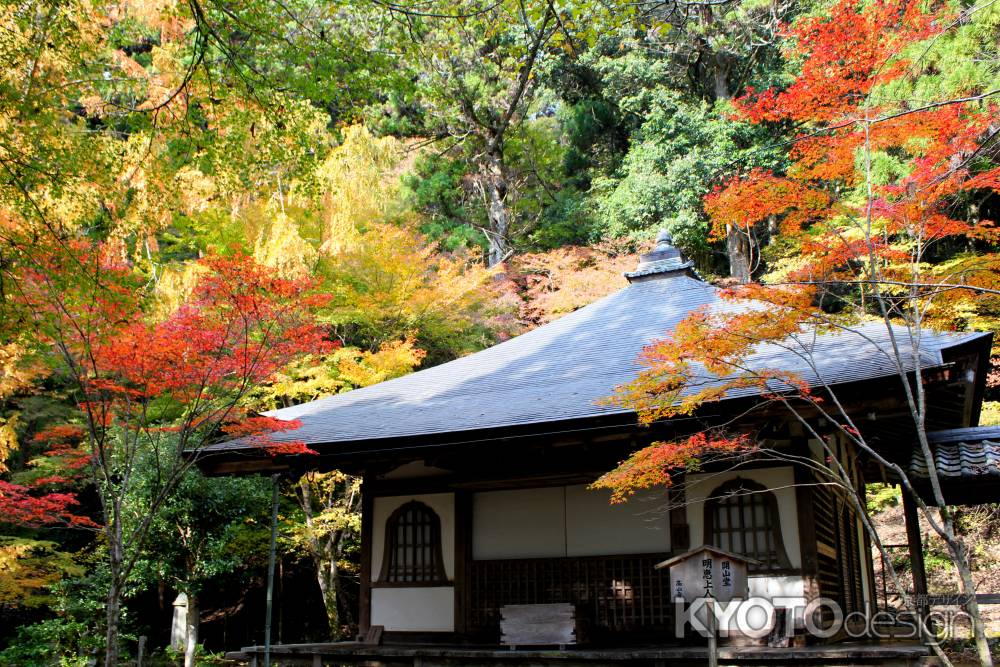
(611, 593)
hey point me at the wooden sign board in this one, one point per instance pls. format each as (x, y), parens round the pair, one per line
(707, 572)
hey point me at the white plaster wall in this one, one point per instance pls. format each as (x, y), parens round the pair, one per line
(426, 609)
(781, 481)
(565, 521)
(524, 523)
(595, 527)
(442, 503)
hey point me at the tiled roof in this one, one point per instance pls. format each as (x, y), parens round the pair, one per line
(962, 453)
(561, 370)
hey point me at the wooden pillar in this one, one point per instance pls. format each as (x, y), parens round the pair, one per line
(916, 546)
(869, 559)
(367, 523)
(804, 492)
(463, 560)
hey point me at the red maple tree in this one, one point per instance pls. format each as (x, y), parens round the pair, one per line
(864, 240)
(41, 500)
(153, 392)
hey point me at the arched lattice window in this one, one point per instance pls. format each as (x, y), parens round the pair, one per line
(742, 517)
(413, 546)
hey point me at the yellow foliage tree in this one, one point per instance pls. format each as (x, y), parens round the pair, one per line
(281, 246)
(28, 568)
(360, 186)
(345, 369)
(17, 371)
(391, 282)
(331, 508)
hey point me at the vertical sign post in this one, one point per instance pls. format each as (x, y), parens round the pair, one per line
(710, 574)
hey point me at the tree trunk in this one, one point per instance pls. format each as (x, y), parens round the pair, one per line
(737, 243)
(191, 630)
(324, 556)
(116, 552)
(493, 184)
(111, 634)
(738, 250)
(326, 575)
(720, 76)
(960, 555)
(946, 529)
(978, 628)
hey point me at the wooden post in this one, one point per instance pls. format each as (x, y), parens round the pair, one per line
(869, 559)
(275, 486)
(807, 532)
(916, 546)
(367, 524)
(713, 632)
(463, 560)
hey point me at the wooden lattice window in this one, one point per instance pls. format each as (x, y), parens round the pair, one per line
(742, 517)
(413, 547)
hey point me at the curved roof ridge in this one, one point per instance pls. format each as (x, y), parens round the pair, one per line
(521, 344)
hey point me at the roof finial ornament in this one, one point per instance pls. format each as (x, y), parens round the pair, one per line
(665, 260)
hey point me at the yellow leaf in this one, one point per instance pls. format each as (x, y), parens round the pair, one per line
(8, 441)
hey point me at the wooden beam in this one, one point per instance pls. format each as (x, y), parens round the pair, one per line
(916, 546)
(482, 481)
(245, 467)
